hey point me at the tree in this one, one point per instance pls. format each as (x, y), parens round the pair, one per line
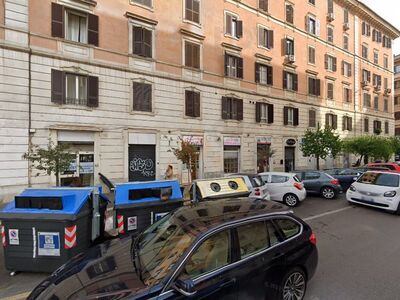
(321, 143)
(53, 160)
(188, 154)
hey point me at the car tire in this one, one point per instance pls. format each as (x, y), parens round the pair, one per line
(291, 200)
(397, 212)
(293, 285)
(328, 192)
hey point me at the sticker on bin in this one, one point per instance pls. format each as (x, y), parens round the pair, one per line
(120, 220)
(49, 243)
(3, 235)
(70, 237)
(13, 236)
(132, 223)
(158, 216)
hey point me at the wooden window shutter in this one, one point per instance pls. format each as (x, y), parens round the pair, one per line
(334, 125)
(350, 119)
(258, 112)
(57, 86)
(228, 24)
(257, 72)
(311, 86)
(295, 82)
(326, 61)
(327, 119)
(284, 47)
(334, 64)
(342, 67)
(239, 67)
(270, 75)
(147, 43)
(363, 28)
(189, 103)
(239, 28)
(296, 117)
(147, 98)
(57, 20)
(224, 108)
(318, 87)
(350, 70)
(263, 4)
(188, 55)
(137, 96)
(284, 80)
(270, 39)
(311, 118)
(93, 30)
(344, 122)
(196, 104)
(226, 59)
(270, 113)
(366, 125)
(93, 91)
(239, 106)
(196, 56)
(285, 115)
(373, 35)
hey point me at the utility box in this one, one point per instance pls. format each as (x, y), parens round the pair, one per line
(139, 204)
(43, 228)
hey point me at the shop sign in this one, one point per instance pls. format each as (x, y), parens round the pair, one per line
(291, 142)
(132, 223)
(264, 140)
(193, 139)
(49, 243)
(231, 141)
(13, 236)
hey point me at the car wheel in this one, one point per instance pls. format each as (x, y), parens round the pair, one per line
(291, 200)
(293, 285)
(328, 193)
(397, 212)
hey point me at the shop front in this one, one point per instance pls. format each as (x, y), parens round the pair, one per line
(197, 141)
(264, 153)
(290, 154)
(231, 154)
(142, 157)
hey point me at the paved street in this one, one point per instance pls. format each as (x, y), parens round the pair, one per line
(358, 250)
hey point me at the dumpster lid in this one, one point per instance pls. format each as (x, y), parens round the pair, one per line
(147, 191)
(73, 199)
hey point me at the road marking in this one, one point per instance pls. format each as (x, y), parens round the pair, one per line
(18, 297)
(327, 213)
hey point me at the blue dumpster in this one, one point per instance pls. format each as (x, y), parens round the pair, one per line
(139, 204)
(43, 228)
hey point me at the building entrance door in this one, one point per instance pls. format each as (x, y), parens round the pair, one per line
(142, 162)
(289, 159)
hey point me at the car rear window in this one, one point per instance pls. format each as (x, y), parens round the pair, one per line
(289, 227)
(296, 178)
(279, 179)
(382, 179)
(256, 181)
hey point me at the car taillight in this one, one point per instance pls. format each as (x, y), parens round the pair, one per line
(257, 192)
(334, 182)
(298, 185)
(313, 239)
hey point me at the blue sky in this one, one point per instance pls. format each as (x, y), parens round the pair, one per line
(390, 11)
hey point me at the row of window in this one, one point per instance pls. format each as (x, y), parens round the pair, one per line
(375, 104)
(376, 35)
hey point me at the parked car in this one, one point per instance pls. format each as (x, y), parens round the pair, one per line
(284, 187)
(223, 249)
(318, 182)
(346, 176)
(256, 185)
(390, 166)
(376, 189)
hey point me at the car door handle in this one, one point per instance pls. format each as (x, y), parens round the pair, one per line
(228, 283)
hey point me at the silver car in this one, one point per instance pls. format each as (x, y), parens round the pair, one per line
(256, 185)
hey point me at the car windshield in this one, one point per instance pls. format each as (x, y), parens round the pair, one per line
(160, 247)
(382, 179)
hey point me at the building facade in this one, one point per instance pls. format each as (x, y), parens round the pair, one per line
(124, 81)
(397, 94)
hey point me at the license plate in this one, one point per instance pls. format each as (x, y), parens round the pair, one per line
(368, 199)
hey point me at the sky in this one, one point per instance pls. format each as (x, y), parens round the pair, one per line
(390, 11)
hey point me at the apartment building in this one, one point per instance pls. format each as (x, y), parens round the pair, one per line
(397, 94)
(123, 81)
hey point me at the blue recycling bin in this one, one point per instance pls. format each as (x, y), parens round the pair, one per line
(139, 204)
(43, 228)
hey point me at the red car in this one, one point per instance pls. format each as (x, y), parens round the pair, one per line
(393, 167)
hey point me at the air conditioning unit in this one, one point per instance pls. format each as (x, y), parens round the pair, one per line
(377, 87)
(346, 26)
(330, 17)
(291, 58)
(388, 91)
(365, 83)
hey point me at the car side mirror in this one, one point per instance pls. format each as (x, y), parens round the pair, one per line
(184, 287)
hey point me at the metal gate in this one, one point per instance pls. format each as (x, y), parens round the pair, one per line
(142, 162)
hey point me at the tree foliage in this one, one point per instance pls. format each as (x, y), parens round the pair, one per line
(321, 143)
(188, 154)
(53, 160)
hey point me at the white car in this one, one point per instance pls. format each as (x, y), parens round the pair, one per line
(377, 189)
(256, 185)
(284, 187)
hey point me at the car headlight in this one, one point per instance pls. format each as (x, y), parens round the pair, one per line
(352, 188)
(389, 194)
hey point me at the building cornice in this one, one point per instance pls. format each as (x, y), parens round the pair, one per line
(192, 34)
(140, 18)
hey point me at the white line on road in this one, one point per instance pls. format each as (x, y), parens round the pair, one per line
(327, 213)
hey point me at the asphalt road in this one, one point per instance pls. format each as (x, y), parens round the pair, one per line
(358, 250)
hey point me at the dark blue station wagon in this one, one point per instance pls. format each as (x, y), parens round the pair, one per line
(225, 249)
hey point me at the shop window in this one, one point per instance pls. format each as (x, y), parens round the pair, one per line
(231, 159)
